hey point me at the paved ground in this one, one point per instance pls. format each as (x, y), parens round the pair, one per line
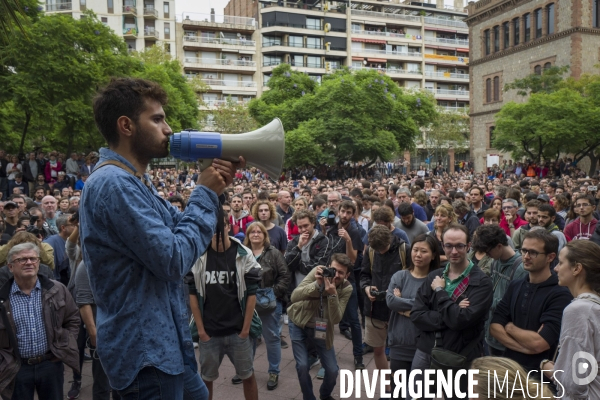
(288, 380)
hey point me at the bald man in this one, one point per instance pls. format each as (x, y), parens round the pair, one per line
(49, 206)
(284, 199)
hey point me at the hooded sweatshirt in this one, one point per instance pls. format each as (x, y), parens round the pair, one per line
(240, 224)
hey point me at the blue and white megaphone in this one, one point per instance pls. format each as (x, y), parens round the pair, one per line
(263, 148)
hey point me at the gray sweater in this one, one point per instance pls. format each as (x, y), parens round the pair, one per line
(82, 287)
(402, 333)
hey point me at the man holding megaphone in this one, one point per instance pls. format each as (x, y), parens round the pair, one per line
(138, 248)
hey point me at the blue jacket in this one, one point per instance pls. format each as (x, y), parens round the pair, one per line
(138, 248)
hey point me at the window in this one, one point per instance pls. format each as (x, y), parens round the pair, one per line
(537, 70)
(313, 43)
(488, 90)
(271, 60)
(313, 62)
(168, 47)
(538, 23)
(491, 135)
(486, 39)
(111, 6)
(596, 12)
(312, 23)
(506, 33)
(295, 41)
(516, 30)
(355, 27)
(496, 38)
(166, 10)
(298, 60)
(527, 35)
(547, 66)
(167, 30)
(550, 21)
(82, 5)
(104, 20)
(496, 88)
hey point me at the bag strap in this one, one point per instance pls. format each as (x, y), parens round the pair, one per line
(402, 251)
(515, 265)
(125, 168)
(371, 257)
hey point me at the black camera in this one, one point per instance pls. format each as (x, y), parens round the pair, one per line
(378, 294)
(331, 219)
(329, 272)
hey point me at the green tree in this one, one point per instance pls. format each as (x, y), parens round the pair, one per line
(15, 14)
(447, 130)
(550, 80)
(50, 74)
(182, 107)
(231, 117)
(349, 117)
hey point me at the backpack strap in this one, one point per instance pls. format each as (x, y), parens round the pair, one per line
(371, 257)
(516, 264)
(123, 167)
(402, 252)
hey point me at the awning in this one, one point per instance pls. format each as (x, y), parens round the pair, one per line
(376, 59)
(463, 50)
(427, 28)
(368, 40)
(246, 52)
(354, 58)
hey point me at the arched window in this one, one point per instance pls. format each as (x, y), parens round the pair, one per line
(496, 88)
(547, 66)
(537, 70)
(488, 90)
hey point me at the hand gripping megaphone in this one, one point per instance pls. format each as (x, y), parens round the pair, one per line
(263, 148)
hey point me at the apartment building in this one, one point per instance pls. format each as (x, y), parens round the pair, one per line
(518, 38)
(221, 51)
(142, 23)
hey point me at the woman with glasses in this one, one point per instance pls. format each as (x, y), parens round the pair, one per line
(275, 276)
(578, 270)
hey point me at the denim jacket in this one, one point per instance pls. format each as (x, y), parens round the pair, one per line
(138, 248)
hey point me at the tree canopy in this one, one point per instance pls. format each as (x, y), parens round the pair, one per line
(349, 117)
(561, 116)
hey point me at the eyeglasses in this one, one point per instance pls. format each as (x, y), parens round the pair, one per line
(458, 247)
(582, 205)
(532, 253)
(508, 208)
(256, 233)
(333, 201)
(24, 260)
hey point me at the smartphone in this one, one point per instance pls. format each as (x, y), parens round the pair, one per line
(592, 188)
(295, 184)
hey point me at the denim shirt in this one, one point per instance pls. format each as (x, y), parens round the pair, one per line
(137, 249)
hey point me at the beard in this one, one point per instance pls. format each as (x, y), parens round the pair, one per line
(146, 148)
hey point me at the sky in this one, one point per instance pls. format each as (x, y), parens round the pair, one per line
(199, 6)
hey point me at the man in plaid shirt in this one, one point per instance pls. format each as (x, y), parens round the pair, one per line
(39, 323)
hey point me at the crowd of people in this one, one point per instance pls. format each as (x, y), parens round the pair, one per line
(442, 271)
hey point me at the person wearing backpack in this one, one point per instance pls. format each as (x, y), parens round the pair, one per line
(506, 267)
(385, 256)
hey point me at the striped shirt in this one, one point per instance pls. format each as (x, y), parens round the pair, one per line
(28, 317)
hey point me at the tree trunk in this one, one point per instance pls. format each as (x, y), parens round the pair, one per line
(27, 119)
(593, 163)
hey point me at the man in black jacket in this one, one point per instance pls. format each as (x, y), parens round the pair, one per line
(385, 256)
(437, 313)
(528, 318)
(466, 216)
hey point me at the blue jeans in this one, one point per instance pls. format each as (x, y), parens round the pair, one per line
(270, 333)
(153, 384)
(299, 339)
(350, 321)
(46, 378)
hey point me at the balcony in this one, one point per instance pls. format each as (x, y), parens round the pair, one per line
(59, 7)
(462, 110)
(150, 13)
(384, 34)
(151, 33)
(445, 22)
(390, 71)
(449, 92)
(129, 10)
(197, 40)
(400, 17)
(213, 104)
(197, 20)
(221, 82)
(130, 32)
(195, 62)
(387, 53)
(456, 42)
(446, 75)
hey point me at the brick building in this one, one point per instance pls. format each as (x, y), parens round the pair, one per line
(514, 38)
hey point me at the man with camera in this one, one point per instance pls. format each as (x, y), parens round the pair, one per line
(385, 255)
(37, 224)
(317, 304)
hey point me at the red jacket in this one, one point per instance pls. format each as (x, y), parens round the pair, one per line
(518, 222)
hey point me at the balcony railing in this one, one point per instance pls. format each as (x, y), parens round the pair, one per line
(59, 6)
(150, 12)
(388, 70)
(129, 9)
(300, 26)
(239, 63)
(403, 17)
(298, 64)
(216, 103)
(130, 31)
(459, 42)
(218, 19)
(445, 22)
(301, 45)
(386, 34)
(388, 52)
(214, 40)
(454, 109)
(449, 91)
(151, 32)
(223, 82)
(449, 75)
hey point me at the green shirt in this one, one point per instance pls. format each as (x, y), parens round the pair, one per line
(452, 284)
